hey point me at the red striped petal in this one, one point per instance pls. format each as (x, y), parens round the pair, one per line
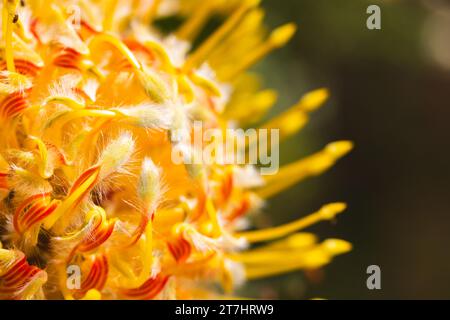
(148, 290)
(24, 67)
(181, 249)
(96, 278)
(32, 210)
(13, 104)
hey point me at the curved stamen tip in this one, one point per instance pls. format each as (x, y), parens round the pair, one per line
(339, 149)
(281, 35)
(314, 99)
(337, 246)
(330, 211)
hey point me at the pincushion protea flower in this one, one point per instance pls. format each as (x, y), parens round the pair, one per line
(91, 94)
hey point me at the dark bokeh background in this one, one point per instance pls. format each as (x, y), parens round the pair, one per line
(391, 96)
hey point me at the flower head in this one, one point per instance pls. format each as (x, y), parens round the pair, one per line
(94, 98)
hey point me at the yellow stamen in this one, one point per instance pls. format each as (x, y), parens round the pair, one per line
(251, 110)
(300, 242)
(245, 30)
(310, 259)
(312, 100)
(146, 248)
(327, 212)
(191, 27)
(9, 12)
(206, 84)
(44, 170)
(109, 14)
(163, 57)
(121, 266)
(278, 38)
(202, 53)
(295, 241)
(292, 120)
(304, 168)
(147, 255)
(71, 103)
(150, 16)
(69, 116)
(116, 43)
(212, 214)
(70, 203)
(57, 123)
(154, 86)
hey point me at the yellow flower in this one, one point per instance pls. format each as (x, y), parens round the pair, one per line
(92, 95)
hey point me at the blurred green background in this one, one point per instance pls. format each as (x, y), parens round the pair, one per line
(390, 95)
